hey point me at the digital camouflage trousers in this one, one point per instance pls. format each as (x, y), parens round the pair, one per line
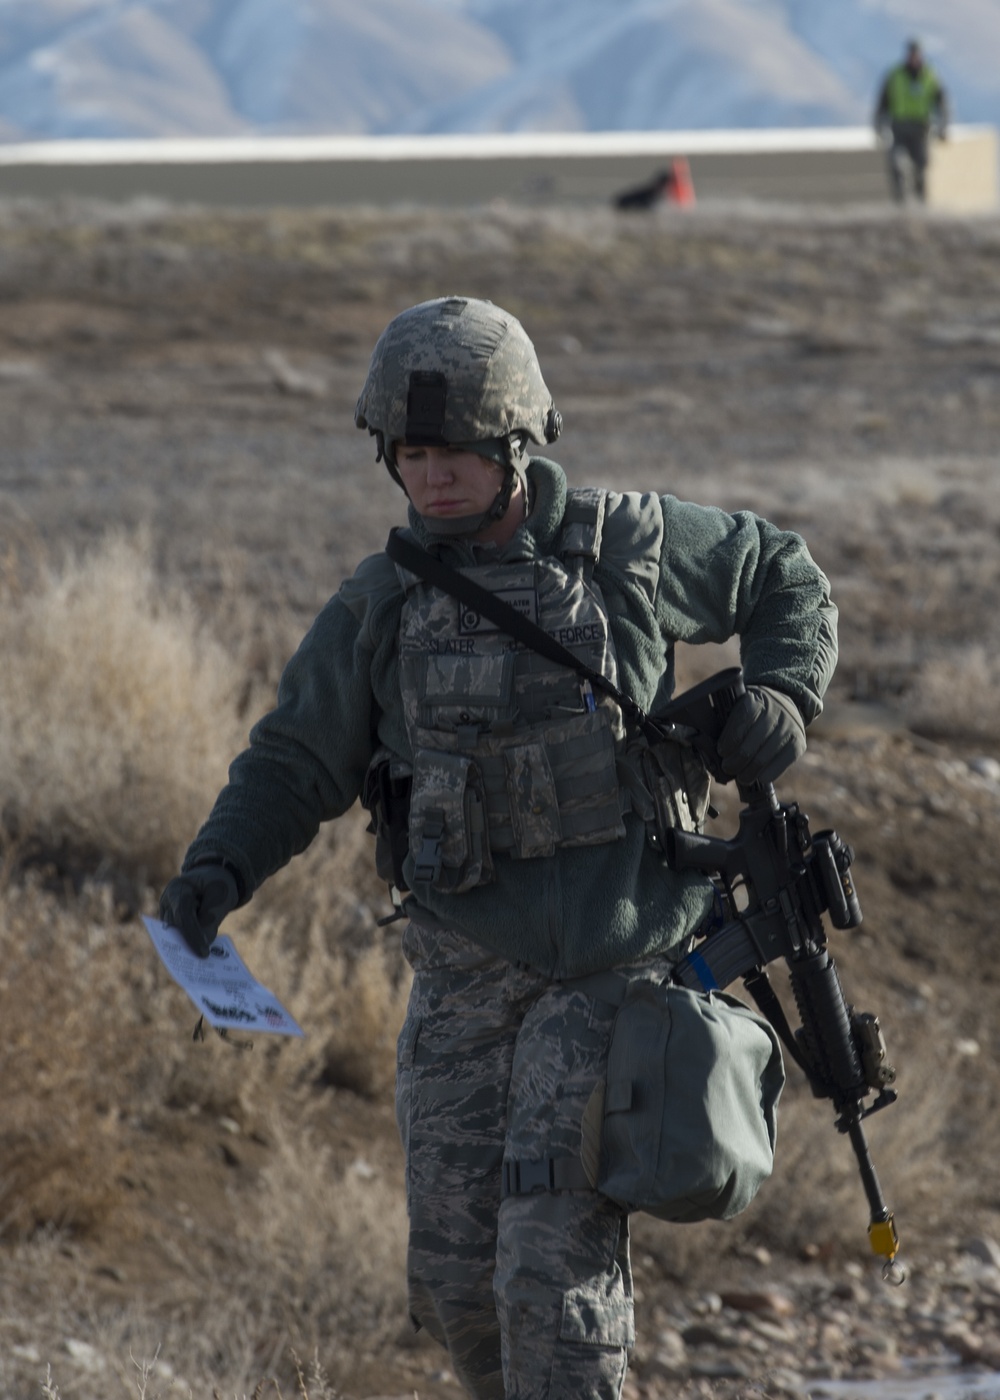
(532, 1293)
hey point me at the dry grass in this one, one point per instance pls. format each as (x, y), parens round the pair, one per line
(118, 727)
(151, 707)
(955, 696)
(102, 1038)
(307, 1267)
(118, 715)
(63, 1026)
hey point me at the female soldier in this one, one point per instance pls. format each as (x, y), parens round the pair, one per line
(506, 791)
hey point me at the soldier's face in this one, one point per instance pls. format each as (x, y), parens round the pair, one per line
(447, 482)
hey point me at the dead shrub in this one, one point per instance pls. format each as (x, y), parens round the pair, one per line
(366, 1012)
(954, 696)
(315, 1226)
(61, 1159)
(118, 717)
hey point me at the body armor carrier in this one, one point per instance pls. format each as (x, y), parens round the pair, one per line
(512, 753)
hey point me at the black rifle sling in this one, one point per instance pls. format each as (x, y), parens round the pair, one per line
(758, 984)
(418, 561)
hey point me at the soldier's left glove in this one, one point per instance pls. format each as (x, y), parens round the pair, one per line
(762, 737)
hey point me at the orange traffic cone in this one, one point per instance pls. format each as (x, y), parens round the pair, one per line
(680, 190)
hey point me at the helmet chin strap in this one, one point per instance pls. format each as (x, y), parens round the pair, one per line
(455, 526)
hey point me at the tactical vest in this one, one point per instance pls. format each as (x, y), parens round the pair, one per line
(513, 754)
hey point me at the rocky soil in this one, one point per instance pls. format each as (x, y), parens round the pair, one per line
(816, 1335)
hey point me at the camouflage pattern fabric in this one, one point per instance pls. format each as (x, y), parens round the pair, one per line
(460, 668)
(494, 385)
(531, 1294)
(512, 752)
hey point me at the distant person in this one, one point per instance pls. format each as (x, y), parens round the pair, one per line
(911, 104)
(671, 186)
(513, 816)
(647, 195)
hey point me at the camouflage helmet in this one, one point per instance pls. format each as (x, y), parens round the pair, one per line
(458, 371)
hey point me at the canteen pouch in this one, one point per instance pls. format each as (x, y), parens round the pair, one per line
(684, 1127)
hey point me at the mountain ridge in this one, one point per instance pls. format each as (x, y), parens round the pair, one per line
(160, 68)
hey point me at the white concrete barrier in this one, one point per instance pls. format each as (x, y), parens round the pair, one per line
(825, 165)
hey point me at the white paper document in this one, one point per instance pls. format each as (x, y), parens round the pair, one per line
(221, 985)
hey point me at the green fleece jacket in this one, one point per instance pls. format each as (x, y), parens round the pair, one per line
(586, 908)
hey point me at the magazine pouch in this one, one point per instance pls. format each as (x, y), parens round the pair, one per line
(447, 829)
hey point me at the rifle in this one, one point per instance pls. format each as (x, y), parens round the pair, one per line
(776, 880)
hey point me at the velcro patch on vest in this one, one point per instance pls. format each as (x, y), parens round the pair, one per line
(522, 599)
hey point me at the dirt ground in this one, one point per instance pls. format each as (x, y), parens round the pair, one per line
(195, 376)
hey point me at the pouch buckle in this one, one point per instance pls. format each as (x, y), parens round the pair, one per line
(427, 866)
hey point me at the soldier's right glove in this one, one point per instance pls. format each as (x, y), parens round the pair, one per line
(196, 903)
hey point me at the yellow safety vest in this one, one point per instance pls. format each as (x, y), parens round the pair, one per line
(912, 98)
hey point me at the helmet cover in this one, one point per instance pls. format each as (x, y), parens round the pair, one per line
(457, 371)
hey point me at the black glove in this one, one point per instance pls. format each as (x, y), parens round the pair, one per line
(196, 903)
(762, 737)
